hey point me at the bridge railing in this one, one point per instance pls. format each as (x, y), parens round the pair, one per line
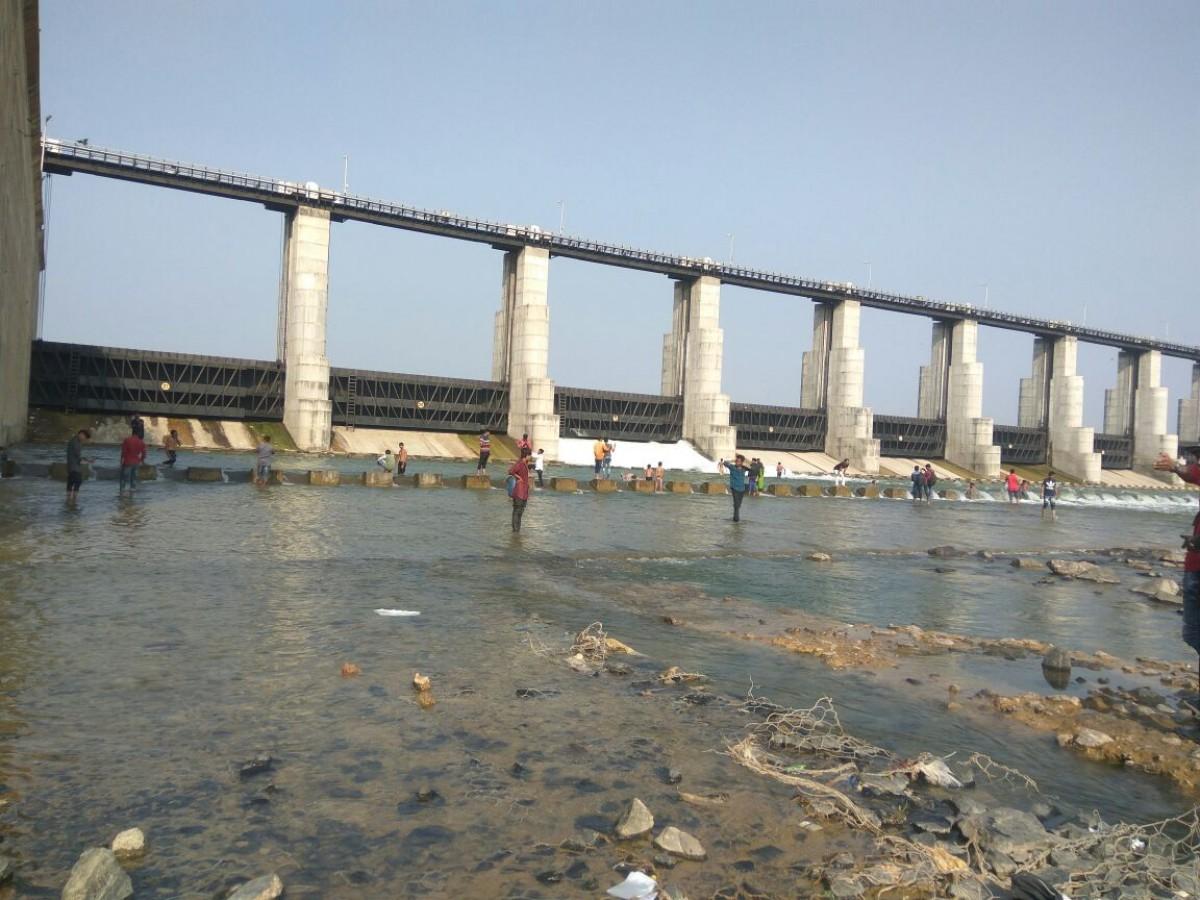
(532, 235)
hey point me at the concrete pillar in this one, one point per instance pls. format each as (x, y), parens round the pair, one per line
(814, 364)
(20, 211)
(832, 378)
(1071, 445)
(1118, 401)
(1034, 400)
(304, 302)
(968, 432)
(1189, 411)
(521, 348)
(1150, 437)
(934, 378)
(692, 359)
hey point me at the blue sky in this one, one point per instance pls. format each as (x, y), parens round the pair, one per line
(1050, 151)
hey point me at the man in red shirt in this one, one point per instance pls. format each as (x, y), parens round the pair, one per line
(520, 493)
(133, 454)
(1189, 472)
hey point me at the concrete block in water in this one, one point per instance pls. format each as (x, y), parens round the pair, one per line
(779, 490)
(895, 493)
(565, 485)
(475, 482)
(378, 478)
(603, 485)
(58, 471)
(427, 479)
(324, 476)
(275, 476)
(147, 473)
(871, 491)
(204, 473)
(949, 495)
(838, 490)
(711, 487)
(808, 490)
(679, 487)
(641, 486)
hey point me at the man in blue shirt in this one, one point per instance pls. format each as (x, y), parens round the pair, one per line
(737, 483)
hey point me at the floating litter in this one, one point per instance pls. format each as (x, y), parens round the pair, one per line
(636, 886)
(397, 612)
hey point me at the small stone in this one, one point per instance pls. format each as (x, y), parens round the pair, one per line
(672, 620)
(637, 820)
(265, 887)
(1026, 563)
(350, 670)
(819, 556)
(680, 843)
(427, 794)
(258, 765)
(1089, 737)
(97, 876)
(674, 776)
(664, 861)
(130, 842)
(582, 842)
(421, 682)
(843, 887)
(946, 551)
(550, 877)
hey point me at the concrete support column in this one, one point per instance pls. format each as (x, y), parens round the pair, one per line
(832, 379)
(1150, 437)
(1189, 411)
(1071, 445)
(521, 348)
(304, 302)
(1034, 402)
(692, 359)
(934, 378)
(968, 432)
(1118, 401)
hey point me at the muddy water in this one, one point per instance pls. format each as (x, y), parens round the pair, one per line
(149, 647)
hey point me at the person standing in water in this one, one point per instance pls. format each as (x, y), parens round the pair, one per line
(1049, 495)
(264, 453)
(839, 473)
(485, 450)
(598, 451)
(539, 465)
(75, 461)
(659, 475)
(133, 454)
(170, 447)
(520, 493)
(918, 484)
(779, 470)
(524, 443)
(1189, 472)
(738, 472)
(401, 459)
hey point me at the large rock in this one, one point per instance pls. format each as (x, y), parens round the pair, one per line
(1081, 569)
(1057, 660)
(680, 843)
(97, 876)
(1152, 587)
(1005, 835)
(130, 842)
(1090, 738)
(636, 820)
(267, 887)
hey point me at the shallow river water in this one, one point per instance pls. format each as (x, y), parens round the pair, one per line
(150, 646)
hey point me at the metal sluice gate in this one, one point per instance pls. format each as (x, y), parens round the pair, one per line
(82, 378)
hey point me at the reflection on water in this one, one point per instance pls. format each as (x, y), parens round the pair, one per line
(150, 645)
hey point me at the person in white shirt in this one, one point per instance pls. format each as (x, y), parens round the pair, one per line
(539, 465)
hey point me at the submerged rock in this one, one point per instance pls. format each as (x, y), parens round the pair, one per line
(820, 556)
(1025, 562)
(680, 843)
(1090, 738)
(636, 820)
(258, 765)
(1057, 659)
(98, 876)
(266, 887)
